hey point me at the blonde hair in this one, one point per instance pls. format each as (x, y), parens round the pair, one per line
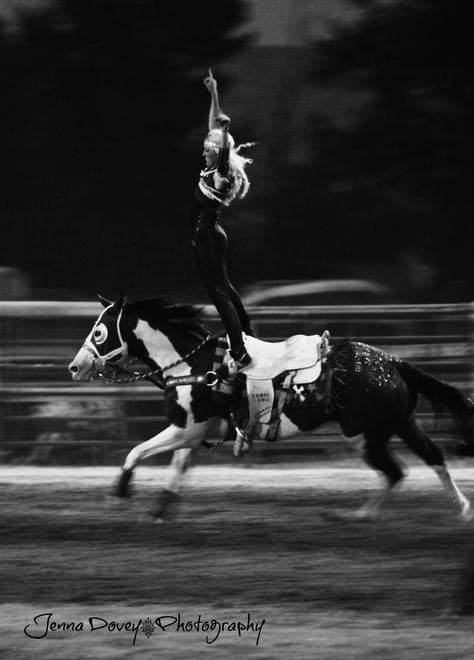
(239, 181)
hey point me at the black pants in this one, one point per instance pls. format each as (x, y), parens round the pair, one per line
(210, 247)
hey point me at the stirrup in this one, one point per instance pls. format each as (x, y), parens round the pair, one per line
(240, 365)
(242, 443)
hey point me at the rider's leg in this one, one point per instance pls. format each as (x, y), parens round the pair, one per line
(241, 311)
(211, 249)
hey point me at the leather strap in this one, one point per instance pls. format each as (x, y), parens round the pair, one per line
(274, 424)
(210, 378)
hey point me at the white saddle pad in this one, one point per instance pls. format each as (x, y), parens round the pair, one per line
(272, 358)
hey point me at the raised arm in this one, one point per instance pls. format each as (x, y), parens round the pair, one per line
(217, 119)
(214, 111)
(223, 122)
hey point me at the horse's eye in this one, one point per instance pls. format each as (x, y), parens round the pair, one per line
(100, 334)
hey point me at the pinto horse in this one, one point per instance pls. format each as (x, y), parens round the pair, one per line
(372, 394)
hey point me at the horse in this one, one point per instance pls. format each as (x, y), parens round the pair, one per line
(367, 393)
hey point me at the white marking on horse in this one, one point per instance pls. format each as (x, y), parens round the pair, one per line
(454, 491)
(162, 351)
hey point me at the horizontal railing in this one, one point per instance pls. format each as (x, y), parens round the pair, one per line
(41, 406)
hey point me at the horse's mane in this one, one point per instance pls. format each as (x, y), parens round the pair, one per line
(159, 311)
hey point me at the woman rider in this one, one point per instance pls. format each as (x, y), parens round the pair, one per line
(222, 180)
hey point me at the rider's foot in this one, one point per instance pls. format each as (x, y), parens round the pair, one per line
(240, 360)
(240, 356)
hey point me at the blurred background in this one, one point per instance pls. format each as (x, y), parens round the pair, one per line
(361, 109)
(358, 221)
(361, 112)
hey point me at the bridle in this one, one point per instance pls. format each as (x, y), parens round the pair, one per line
(102, 363)
(122, 350)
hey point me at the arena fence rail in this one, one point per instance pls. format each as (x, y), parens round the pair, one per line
(46, 418)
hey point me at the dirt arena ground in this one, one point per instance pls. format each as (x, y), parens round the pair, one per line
(249, 566)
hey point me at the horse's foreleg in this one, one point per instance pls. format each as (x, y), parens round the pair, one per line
(170, 439)
(180, 463)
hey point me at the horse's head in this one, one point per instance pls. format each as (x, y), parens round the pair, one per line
(153, 331)
(104, 344)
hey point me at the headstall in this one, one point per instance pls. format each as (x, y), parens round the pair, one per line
(102, 364)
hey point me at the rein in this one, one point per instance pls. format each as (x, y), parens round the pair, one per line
(155, 376)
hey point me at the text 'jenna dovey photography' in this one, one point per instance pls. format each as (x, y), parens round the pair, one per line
(44, 625)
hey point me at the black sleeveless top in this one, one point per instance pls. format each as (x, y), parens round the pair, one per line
(208, 201)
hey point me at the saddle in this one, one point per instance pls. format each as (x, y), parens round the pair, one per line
(299, 353)
(299, 356)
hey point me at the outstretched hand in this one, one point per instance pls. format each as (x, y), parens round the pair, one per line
(210, 83)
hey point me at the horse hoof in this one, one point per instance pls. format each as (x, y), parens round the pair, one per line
(467, 514)
(335, 514)
(121, 488)
(164, 502)
(360, 515)
(149, 518)
(364, 515)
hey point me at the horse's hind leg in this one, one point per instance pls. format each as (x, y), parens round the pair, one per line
(379, 457)
(421, 444)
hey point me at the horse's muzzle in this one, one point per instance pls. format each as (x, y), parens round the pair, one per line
(81, 368)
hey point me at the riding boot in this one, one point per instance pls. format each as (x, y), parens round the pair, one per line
(240, 356)
(240, 360)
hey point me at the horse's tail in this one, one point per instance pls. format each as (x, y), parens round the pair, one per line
(440, 394)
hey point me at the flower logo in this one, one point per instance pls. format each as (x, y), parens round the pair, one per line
(148, 627)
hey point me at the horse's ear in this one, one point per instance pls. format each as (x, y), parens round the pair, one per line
(118, 305)
(104, 301)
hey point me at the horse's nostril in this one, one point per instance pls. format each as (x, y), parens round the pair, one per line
(73, 368)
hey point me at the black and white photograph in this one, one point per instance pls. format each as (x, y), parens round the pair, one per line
(236, 329)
